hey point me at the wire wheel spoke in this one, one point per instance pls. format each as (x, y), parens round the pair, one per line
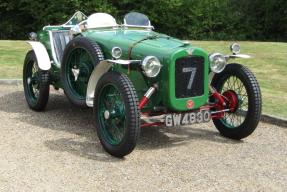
(113, 126)
(33, 80)
(79, 69)
(237, 117)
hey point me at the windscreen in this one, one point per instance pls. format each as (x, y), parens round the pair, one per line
(137, 19)
(77, 18)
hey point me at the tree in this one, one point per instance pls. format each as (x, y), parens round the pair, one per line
(187, 19)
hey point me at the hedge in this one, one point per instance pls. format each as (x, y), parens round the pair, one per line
(264, 20)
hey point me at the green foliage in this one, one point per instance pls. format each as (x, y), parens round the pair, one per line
(187, 19)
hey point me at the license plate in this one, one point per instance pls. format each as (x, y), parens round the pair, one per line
(178, 119)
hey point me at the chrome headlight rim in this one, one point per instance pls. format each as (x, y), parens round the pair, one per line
(156, 66)
(217, 62)
(117, 52)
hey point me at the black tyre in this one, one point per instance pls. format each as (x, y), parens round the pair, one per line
(79, 59)
(36, 83)
(117, 114)
(239, 84)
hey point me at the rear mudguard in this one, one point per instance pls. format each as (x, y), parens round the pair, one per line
(41, 53)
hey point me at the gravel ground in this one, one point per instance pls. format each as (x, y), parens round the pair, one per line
(58, 150)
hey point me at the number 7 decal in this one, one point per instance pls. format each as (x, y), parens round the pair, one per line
(191, 70)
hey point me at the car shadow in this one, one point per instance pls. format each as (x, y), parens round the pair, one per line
(61, 115)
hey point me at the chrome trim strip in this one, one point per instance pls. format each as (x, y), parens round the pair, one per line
(150, 27)
(123, 62)
(242, 56)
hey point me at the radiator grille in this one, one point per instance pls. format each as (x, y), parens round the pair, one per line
(189, 77)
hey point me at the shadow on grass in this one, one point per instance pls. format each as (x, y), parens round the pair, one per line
(61, 115)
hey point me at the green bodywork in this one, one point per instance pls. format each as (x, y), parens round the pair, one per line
(165, 48)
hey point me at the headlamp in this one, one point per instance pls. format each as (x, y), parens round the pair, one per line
(116, 52)
(217, 62)
(235, 48)
(151, 66)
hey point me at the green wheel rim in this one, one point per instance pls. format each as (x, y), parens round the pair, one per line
(32, 80)
(111, 114)
(78, 71)
(235, 119)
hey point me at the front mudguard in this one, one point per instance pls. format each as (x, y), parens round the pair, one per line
(97, 73)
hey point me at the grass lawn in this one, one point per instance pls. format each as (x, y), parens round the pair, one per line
(269, 63)
(12, 55)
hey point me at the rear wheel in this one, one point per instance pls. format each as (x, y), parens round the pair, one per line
(36, 83)
(80, 57)
(242, 94)
(116, 113)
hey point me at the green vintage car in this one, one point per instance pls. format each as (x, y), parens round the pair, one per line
(127, 71)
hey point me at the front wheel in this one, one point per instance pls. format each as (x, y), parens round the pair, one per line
(117, 114)
(241, 91)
